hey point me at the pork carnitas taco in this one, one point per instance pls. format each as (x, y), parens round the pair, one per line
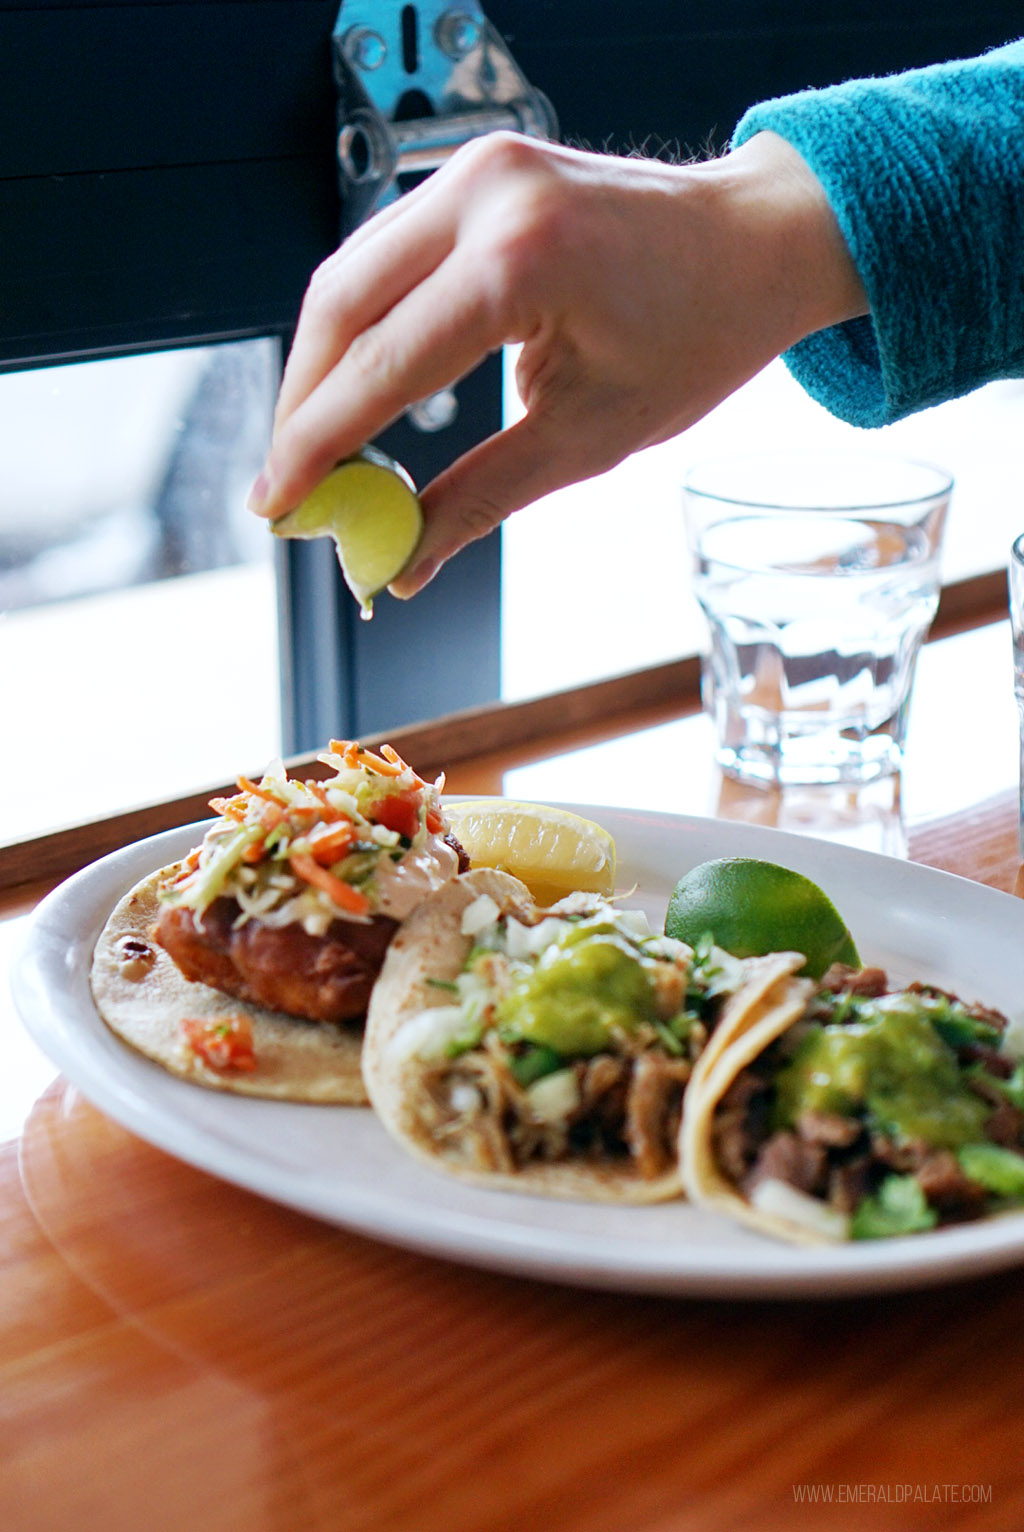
(851, 1110)
(248, 966)
(546, 1051)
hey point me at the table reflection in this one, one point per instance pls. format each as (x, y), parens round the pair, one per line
(869, 817)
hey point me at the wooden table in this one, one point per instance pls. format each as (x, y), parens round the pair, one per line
(178, 1354)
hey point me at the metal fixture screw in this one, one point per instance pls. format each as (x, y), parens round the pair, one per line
(456, 33)
(364, 48)
(435, 412)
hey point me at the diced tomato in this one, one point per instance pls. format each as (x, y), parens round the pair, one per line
(434, 820)
(401, 814)
(222, 1042)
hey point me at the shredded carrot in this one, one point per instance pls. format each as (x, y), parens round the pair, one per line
(391, 754)
(434, 820)
(186, 869)
(259, 791)
(348, 749)
(380, 766)
(353, 754)
(333, 843)
(230, 808)
(337, 890)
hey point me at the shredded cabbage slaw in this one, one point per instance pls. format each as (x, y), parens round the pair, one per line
(314, 851)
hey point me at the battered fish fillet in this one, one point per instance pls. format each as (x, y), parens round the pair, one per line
(320, 978)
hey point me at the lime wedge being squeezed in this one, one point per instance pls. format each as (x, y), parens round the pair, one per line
(369, 505)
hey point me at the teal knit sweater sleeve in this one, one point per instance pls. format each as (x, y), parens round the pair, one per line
(925, 173)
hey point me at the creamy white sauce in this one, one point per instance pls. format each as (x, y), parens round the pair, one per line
(398, 887)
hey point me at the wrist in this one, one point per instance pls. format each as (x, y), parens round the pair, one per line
(789, 239)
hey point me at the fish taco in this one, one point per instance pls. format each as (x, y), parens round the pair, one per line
(248, 966)
(547, 1050)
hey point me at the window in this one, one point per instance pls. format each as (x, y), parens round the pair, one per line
(605, 563)
(138, 636)
(187, 187)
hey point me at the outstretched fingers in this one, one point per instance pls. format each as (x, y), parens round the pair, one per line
(350, 292)
(434, 334)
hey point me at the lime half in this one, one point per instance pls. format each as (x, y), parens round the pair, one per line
(752, 907)
(369, 505)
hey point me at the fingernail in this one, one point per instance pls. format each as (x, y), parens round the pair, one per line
(259, 494)
(413, 580)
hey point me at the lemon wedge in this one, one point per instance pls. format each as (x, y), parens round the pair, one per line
(369, 505)
(552, 851)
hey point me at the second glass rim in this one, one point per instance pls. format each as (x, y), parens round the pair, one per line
(943, 487)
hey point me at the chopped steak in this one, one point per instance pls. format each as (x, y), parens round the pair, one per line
(787, 1157)
(948, 1188)
(828, 1128)
(844, 1157)
(842, 980)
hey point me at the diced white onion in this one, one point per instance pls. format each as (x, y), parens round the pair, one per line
(464, 1097)
(529, 941)
(731, 972)
(553, 1097)
(780, 1200)
(338, 798)
(634, 923)
(476, 917)
(430, 1034)
(1013, 1037)
(667, 947)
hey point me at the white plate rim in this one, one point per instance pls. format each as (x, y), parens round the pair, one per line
(226, 1135)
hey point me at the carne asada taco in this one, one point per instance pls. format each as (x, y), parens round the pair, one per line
(546, 1050)
(849, 1110)
(248, 966)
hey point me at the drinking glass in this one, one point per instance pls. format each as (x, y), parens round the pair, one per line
(818, 574)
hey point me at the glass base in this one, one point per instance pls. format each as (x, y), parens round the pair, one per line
(809, 760)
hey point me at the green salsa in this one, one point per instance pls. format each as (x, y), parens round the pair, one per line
(889, 1064)
(578, 994)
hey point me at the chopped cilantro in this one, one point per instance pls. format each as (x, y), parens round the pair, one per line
(532, 1061)
(999, 1170)
(898, 1207)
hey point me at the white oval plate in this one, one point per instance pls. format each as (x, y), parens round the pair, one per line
(338, 1164)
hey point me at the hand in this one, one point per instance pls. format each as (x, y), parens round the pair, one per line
(642, 293)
